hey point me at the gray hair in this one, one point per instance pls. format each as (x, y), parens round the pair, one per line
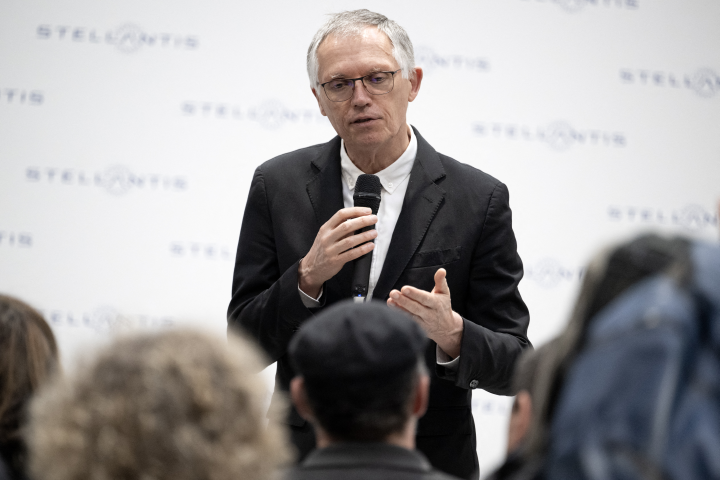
(353, 23)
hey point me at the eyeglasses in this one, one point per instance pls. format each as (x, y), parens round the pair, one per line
(377, 83)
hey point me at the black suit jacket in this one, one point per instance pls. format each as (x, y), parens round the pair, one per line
(363, 461)
(453, 216)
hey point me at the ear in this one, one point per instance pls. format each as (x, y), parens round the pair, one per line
(415, 81)
(420, 402)
(322, 110)
(299, 398)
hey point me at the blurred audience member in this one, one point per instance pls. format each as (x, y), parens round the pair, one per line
(179, 405)
(523, 409)
(524, 384)
(630, 389)
(28, 357)
(362, 383)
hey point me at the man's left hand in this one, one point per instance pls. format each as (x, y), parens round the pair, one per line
(433, 312)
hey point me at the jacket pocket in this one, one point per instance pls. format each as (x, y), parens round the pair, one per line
(435, 258)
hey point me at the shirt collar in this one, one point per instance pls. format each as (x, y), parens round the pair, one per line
(391, 177)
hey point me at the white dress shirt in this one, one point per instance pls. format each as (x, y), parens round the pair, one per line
(394, 180)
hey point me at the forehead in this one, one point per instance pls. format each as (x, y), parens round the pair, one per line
(355, 55)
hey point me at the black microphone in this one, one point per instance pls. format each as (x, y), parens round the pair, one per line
(367, 194)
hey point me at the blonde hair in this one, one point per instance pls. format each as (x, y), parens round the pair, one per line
(177, 405)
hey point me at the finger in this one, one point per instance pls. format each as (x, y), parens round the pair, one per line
(351, 226)
(409, 305)
(354, 253)
(393, 304)
(353, 241)
(420, 296)
(347, 213)
(441, 285)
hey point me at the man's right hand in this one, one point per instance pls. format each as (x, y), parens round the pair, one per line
(334, 246)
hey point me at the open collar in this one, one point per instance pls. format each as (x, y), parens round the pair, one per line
(390, 177)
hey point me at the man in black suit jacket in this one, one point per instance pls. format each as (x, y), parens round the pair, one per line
(452, 261)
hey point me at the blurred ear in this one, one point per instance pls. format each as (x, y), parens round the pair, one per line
(415, 81)
(299, 398)
(322, 110)
(421, 396)
(520, 419)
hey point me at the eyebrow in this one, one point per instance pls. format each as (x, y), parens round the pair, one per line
(370, 72)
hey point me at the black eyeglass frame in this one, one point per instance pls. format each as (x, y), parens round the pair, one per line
(392, 76)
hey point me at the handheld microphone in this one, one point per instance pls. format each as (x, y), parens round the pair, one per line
(367, 194)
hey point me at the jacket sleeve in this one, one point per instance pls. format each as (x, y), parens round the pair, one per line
(495, 317)
(265, 300)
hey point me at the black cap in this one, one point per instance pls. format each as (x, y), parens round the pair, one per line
(357, 341)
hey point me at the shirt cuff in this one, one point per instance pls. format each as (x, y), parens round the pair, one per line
(444, 360)
(310, 302)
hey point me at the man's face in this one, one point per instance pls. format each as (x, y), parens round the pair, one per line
(365, 120)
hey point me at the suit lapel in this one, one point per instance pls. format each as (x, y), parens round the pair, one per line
(325, 187)
(326, 196)
(422, 201)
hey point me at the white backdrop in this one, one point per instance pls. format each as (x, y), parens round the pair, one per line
(129, 132)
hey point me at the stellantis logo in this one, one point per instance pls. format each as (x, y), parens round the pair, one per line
(704, 81)
(104, 320)
(573, 6)
(116, 180)
(550, 273)
(201, 251)
(689, 217)
(15, 239)
(426, 58)
(270, 114)
(559, 135)
(128, 38)
(21, 96)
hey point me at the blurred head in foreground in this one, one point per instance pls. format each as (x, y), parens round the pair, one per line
(610, 273)
(177, 405)
(361, 375)
(28, 357)
(647, 308)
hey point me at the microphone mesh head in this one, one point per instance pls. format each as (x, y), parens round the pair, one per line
(367, 192)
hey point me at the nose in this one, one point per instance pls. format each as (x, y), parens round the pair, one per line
(361, 96)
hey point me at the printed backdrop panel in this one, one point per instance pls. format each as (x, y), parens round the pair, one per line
(130, 133)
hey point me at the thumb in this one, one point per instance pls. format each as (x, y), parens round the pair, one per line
(441, 285)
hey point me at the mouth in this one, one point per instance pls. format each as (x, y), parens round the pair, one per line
(363, 120)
